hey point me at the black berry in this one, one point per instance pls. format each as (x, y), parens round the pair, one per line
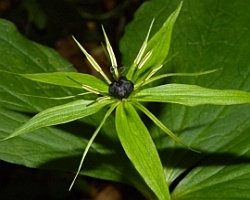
(121, 88)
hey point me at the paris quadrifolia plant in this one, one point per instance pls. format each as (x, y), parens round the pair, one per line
(124, 95)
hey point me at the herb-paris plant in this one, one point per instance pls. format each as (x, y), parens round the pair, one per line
(133, 134)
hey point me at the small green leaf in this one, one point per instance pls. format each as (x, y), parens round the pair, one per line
(140, 149)
(60, 114)
(192, 95)
(159, 45)
(70, 79)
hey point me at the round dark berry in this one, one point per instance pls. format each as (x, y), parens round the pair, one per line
(121, 88)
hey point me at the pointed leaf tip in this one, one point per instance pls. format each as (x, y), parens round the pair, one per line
(60, 114)
(140, 149)
(159, 44)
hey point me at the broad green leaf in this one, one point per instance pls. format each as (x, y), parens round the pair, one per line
(192, 95)
(70, 79)
(34, 150)
(60, 114)
(19, 55)
(215, 178)
(140, 149)
(207, 35)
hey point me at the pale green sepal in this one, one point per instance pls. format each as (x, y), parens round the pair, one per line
(140, 149)
(159, 43)
(111, 56)
(160, 124)
(91, 141)
(71, 79)
(139, 55)
(144, 60)
(148, 78)
(151, 79)
(60, 114)
(92, 61)
(192, 95)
